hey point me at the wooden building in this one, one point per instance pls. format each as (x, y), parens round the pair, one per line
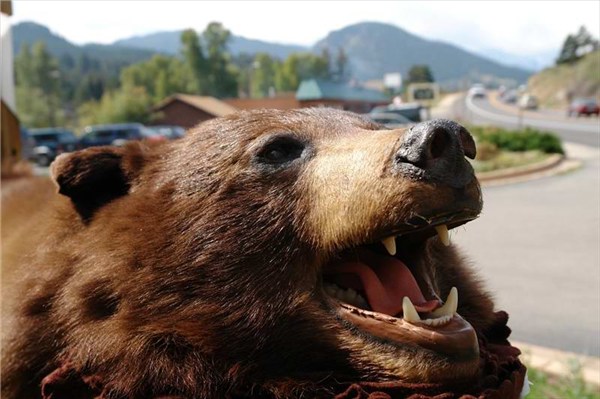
(280, 101)
(187, 110)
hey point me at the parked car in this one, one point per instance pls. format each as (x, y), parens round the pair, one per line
(584, 106)
(392, 121)
(410, 111)
(477, 91)
(527, 101)
(170, 132)
(117, 134)
(27, 145)
(50, 143)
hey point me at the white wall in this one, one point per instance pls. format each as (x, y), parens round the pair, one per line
(7, 83)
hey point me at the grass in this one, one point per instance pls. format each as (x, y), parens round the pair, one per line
(508, 159)
(572, 386)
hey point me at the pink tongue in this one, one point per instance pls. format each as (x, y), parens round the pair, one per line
(385, 281)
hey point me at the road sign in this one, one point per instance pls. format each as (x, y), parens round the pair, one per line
(423, 93)
(392, 81)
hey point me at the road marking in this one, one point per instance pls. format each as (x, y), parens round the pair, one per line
(537, 123)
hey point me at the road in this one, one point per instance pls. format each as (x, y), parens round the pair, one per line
(481, 111)
(537, 244)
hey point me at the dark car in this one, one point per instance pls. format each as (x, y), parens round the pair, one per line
(50, 143)
(510, 96)
(411, 111)
(117, 134)
(27, 145)
(584, 106)
(391, 121)
(170, 132)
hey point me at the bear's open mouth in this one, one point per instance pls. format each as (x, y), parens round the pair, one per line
(378, 289)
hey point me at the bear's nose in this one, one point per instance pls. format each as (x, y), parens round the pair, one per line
(436, 150)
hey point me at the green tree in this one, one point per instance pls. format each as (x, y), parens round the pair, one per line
(161, 76)
(195, 62)
(568, 52)
(222, 75)
(127, 104)
(420, 74)
(300, 66)
(245, 65)
(576, 46)
(263, 75)
(38, 87)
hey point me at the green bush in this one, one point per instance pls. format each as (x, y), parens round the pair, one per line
(518, 140)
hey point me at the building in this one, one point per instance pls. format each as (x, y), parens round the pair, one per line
(9, 129)
(318, 93)
(323, 93)
(280, 101)
(187, 110)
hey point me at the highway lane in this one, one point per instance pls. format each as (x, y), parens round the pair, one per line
(537, 246)
(582, 131)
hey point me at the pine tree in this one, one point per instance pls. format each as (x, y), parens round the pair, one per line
(195, 61)
(222, 76)
(38, 87)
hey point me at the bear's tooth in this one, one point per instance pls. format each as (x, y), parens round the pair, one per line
(390, 244)
(410, 314)
(450, 306)
(442, 232)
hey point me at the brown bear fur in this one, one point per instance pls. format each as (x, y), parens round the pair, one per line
(190, 268)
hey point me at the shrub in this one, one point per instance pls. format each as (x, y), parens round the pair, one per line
(518, 140)
(486, 151)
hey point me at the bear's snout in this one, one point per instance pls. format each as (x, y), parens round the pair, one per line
(435, 150)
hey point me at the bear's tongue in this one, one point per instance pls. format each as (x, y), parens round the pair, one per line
(384, 279)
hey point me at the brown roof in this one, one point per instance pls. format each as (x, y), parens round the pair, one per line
(207, 104)
(282, 101)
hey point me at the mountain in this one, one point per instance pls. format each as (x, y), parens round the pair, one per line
(169, 43)
(112, 55)
(534, 61)
(374, 49)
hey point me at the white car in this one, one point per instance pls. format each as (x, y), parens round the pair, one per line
(527, 101)
(477, 91)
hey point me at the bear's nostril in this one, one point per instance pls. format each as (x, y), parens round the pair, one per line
(438, 144)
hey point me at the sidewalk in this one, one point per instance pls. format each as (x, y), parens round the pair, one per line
(559, 363)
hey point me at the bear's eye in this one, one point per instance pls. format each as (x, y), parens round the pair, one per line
(281, 150)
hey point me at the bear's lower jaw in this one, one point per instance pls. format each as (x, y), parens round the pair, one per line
(456, 339)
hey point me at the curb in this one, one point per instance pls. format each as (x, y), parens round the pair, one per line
(557, 362)
(555, 164)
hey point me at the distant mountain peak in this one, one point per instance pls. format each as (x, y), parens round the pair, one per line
(375, 48)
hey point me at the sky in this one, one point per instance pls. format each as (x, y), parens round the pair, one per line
(517, 28)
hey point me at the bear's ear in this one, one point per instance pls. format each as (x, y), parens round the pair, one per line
(96, 176)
